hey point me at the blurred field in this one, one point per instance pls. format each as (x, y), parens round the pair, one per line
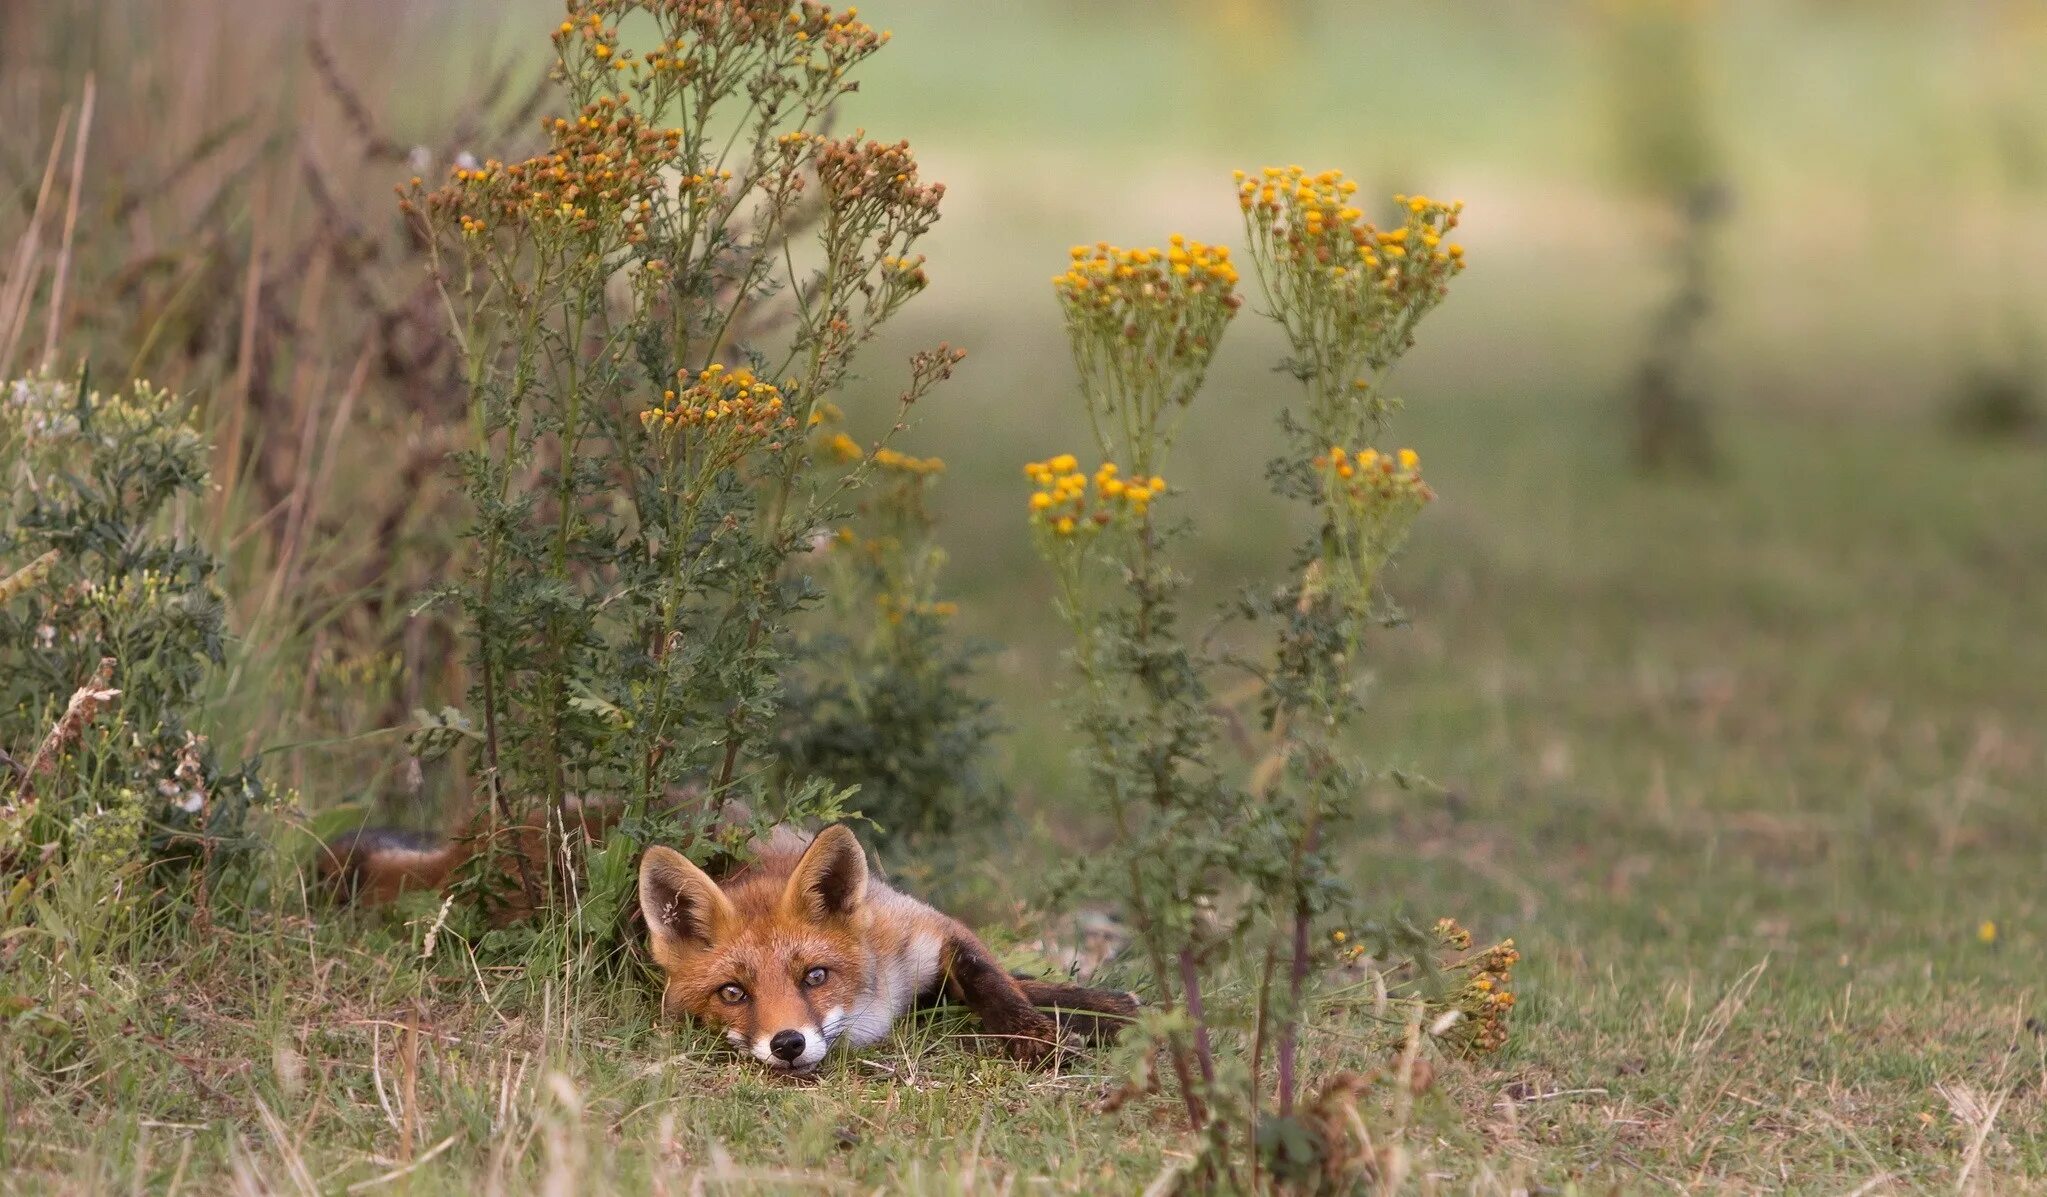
(1745, 765)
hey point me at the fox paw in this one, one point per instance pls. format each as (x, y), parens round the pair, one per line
(1041, 1044)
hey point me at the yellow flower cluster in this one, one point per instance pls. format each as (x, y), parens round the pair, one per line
(896, 608)
(1370, 500)
(1487, 996)
(1312, 220)
(1347, 292)
(599, 176)
(589, 32)
(111, 835)
(1451, 934)
(1143, 324)
(904, 463)
(909, 272)
(1105, 275)
(1369, 476)
(1067, 502)
(713, 32)
(144, 590)
(721, 398)
(876, 181)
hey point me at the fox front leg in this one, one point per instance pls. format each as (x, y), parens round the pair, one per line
(973, 978)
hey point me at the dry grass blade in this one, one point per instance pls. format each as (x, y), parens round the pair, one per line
(19, 284)
(292, 1160)
(322, 478)
(1977, 1112)
(55, 322)
(1728, 1008)
(245, 360)
(406, 1170)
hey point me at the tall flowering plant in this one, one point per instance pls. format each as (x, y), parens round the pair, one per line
(1216, 866)
(1144, 324)
(653, 310)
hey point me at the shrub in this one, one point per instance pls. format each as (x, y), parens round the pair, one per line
(652, 311)
(109, 625)
(1217, 869)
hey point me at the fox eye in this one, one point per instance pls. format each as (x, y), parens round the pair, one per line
(731, 995)
(815, 977)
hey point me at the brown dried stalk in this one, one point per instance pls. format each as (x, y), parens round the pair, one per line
(85, 705)
(375, 143)
(28, 575)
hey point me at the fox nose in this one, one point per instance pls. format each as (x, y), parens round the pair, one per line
(787, 1045)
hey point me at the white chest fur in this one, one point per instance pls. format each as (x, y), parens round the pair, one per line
(894, 982)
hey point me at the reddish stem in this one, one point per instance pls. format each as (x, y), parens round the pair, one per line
(1190, 988)
(1297, 980)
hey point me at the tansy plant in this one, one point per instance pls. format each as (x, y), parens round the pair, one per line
(1216, 863)
(653, 309)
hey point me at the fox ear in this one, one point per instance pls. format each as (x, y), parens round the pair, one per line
(680, 902)
(831, 879)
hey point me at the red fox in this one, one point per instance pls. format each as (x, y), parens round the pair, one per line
(793, 953)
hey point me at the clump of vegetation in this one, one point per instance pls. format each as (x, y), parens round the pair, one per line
(1218, 868)
(1998, 401)
(1667, 147)
(653, 309)
(882, 697)
(110, 621)
(1999, 394)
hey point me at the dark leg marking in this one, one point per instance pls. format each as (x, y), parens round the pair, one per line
(974, 978)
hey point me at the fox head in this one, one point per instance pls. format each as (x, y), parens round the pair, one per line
(775, 962)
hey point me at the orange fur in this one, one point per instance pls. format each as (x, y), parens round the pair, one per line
(788, 955)
(803, 949)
